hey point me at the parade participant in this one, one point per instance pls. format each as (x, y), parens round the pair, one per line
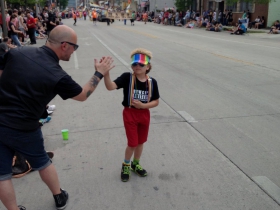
(4, 47)
(94, 17)
(140, 94)
(133, 16)
(145, 17)
(85, 14)
(74, 18)
(23, 98)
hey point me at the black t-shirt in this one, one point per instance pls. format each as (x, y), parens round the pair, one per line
(31, 78)
(67, 88)
(51, 18)
(140, 89)
(10, 25)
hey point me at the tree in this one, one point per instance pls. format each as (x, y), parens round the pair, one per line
(27, 3)
(63, 3)
(182, 5)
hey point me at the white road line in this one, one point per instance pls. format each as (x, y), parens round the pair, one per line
(219, 39)
(76, 60)
(186, 116)
(115, 54)
(268, 186)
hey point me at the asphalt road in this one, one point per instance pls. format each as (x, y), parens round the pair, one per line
(214, 138)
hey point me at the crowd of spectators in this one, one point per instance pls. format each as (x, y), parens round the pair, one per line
(210, 20)
(24, 26)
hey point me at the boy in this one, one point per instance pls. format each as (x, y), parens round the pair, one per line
(140, 94)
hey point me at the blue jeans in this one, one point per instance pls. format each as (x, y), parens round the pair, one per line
(15, 40)
(28, 143)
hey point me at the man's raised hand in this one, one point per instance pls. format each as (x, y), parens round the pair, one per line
(104, 65)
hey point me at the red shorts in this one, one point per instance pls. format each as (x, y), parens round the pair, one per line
(136, 123)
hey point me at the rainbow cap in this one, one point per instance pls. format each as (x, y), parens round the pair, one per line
(140, 58)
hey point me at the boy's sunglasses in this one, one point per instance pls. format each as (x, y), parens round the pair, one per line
(140, 64)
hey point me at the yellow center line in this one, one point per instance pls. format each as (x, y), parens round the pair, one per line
(233, 59)
(156, 37)
(137, 32)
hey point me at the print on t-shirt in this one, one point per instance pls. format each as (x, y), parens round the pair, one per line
(140, 95)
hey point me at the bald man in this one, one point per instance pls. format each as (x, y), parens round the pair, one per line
(31, 78)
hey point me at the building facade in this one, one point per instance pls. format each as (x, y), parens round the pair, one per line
(273, 12)
(237, 8)
(154, 5)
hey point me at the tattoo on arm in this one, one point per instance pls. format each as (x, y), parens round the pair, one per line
(89, 93)
(93, 84)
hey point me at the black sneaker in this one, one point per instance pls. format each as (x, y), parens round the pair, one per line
(61, 199)
(125, 172)
(21, 208)
(138, 169)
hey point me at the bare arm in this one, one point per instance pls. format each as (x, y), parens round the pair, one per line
(88, 88)
(1, 71)
(11, 46)
(108, 83)
(14, 30)
(103, 67)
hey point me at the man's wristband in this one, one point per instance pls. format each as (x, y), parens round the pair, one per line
(98, 74)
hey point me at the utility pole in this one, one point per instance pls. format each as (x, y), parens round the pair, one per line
(5, 30)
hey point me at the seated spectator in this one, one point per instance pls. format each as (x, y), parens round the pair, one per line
(257, 20)
(218, 27)
(4, 47)
(276, 25)
(210, 27)
(260, 24)
(7, 42)
(190, 24)
(276, 31)
(203, 23)
(178, 23)
(60, 21)
(199, 21)
(241, 29)
(234, 28)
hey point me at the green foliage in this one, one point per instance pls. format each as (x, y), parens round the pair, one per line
(31, 3)
(63, 3)
(182, 5)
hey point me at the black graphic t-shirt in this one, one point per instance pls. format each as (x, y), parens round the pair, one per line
(141, 89)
